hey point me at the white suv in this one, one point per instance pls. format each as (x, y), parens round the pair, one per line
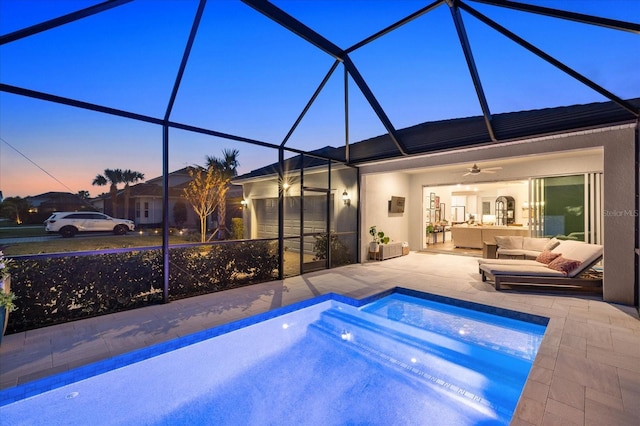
(70, 223)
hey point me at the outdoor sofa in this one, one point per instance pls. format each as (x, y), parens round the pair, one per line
(469, 236)
(561, 266)
(517, 246)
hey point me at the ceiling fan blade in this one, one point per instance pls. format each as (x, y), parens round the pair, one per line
(487, 171)
(492, 168)
(467, 174)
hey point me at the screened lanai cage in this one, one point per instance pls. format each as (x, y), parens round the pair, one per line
(284, 100)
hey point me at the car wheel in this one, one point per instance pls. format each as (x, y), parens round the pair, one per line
(120, 230)
(68, 231)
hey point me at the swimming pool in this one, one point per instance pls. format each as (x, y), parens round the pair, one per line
(400, 357)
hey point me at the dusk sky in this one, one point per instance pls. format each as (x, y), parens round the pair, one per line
(248, 76)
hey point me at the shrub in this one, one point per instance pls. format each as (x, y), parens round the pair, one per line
(53, 290)
(339, 252)
(237, 228)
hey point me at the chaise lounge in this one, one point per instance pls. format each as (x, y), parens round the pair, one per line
(562, 266)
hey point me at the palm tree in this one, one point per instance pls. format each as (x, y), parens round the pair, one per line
(129, 176)
(84, 195)
(227, 168)
(113, 177)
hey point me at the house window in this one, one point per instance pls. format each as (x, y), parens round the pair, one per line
(138, 209)
(146, 210)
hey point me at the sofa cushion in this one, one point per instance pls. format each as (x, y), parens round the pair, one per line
(534, 244)
(551, 244)
(512, 242)
(546, 256)
(564, 265)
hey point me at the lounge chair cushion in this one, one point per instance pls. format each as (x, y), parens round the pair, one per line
(537, 270)
(564, 265)
(547, 256)
(587, 254)
(526, 262)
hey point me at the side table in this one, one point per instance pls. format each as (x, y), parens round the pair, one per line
(489, 250)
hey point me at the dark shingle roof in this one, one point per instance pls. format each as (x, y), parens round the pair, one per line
(470, 131)
(466, 132)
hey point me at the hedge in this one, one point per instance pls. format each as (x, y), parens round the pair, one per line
(54, 290)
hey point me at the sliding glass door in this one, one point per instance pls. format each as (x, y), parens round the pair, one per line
(567, 207)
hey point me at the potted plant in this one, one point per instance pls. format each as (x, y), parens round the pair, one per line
(429, 230)
(378, 238)
(6, 295)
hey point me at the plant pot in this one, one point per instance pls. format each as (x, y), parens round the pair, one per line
(374, 247)
(429, 237)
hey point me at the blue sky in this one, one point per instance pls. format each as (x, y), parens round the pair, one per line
(250, 77)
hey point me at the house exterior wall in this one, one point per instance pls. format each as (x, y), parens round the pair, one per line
(616, 160)
(261, 218)
(377, 190)
(619, 218)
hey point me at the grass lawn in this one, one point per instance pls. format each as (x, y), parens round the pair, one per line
(16, 231)
(82, 243)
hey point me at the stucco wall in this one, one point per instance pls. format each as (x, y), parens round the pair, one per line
(619, 218)
(378, 190)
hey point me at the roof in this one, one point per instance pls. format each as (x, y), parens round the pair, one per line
(467, 132)
(54, 197)
(294, 163)
(471, 131)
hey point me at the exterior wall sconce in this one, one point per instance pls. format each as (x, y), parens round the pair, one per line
(244, 203)
(286, 187)
(345, 198)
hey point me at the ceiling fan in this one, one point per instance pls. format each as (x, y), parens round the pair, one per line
(477, 170)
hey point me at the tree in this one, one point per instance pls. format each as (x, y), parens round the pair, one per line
(129, 176)
(15, 208)
(112, 177)
(202, 194)
(226, 167)
(83, 195)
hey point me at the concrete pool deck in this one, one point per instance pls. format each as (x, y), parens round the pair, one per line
(587, 371)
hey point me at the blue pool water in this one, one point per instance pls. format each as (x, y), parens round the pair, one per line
(398, 360)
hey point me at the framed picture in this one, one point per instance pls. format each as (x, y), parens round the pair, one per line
(433, 196)
(442, 211)
(427, 217)
(434, 216)
(433, 204)
(437, 203)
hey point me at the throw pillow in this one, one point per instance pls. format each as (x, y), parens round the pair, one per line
(564, 265)
(553, 243)
(547, 256)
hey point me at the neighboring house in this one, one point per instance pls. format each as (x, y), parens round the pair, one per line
(44, 204)
(145, 203)
(595, 141)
